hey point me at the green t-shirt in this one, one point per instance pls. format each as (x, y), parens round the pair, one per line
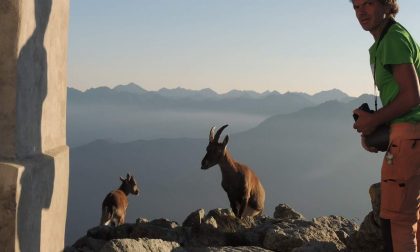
(396, 47)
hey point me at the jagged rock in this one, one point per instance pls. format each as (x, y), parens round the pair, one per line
(107, 232)
(86, 244)
(375, 200)
(139, 245)
(70, 249)
(369, 237)
(342, 235)
(227, 221)
(341, 226)
(318, 247)
(158, 229)
(194, 219)
(100, 232)
(122, 231)
(220, 230)
(228, 249)
(221, 213)
(285, 236)
(284, 211)
(209, 223)
(165, 223)
(141, 220)
(255, 236)
(206, 238)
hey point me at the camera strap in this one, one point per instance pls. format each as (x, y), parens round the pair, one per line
(384, 31)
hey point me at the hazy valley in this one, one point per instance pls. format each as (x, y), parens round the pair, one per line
(302, 147)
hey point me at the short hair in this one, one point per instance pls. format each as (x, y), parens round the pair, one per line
(393, 6)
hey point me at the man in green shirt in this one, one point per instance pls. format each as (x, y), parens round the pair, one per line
(395, 61)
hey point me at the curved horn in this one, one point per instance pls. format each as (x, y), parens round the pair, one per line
(219, 132)
(211, 136)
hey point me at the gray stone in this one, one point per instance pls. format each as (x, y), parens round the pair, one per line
(375, 200)
(228, 249)
(341, 226)
(165, 223)
(165, 230)
(221, 212)
(139, 245)
(195, 218)
(318, 247)
(369, 237)
(221, 231)
(285, 236)
(101, 232)
(209, 223)
(284, 211)
(86, 244)
(342, 235)
(227, 221)
(141, 220)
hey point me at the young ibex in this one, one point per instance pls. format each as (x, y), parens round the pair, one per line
(245, 191)
(115, 203)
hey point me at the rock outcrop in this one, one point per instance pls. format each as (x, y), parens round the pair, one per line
(220, 231)
(369, 237)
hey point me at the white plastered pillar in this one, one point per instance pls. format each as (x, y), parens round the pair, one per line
(34, 156)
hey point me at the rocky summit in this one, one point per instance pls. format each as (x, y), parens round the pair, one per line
(219, 231)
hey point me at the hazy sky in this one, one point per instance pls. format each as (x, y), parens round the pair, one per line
(298, 45)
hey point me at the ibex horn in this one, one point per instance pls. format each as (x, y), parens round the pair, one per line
(211, 136)
(219, 132)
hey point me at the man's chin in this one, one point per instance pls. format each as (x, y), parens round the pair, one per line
(365, 27)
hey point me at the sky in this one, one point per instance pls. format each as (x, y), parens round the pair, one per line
(297, 46)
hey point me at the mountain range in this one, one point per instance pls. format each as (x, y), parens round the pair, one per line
(203, 94)
(309, 158)
(128, 112)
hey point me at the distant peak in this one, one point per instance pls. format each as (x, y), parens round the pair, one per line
(207, 89)
(74, 89)
(132, 84)
(101, 88)
(332, 91)
(130, 88)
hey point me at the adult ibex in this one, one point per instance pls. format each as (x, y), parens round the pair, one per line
(245, 191)
(115, 203)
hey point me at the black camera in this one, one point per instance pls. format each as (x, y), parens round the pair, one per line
(364, 107)
(379, 139)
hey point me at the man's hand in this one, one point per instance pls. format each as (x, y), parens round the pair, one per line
(366, 123)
